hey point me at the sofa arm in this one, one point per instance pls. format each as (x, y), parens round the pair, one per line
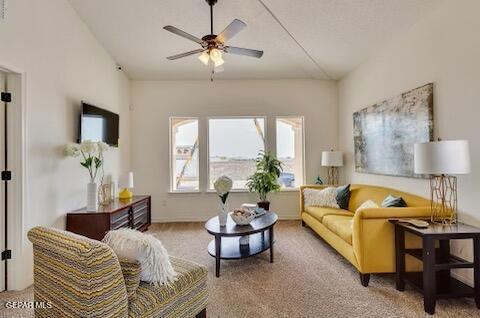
(373, 238)
(131, 274)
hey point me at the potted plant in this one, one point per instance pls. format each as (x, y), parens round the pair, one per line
(265, 178)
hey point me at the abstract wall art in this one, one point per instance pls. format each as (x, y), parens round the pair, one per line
(384, 133)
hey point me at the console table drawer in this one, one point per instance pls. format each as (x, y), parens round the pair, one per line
(120, 216)
(135, 213)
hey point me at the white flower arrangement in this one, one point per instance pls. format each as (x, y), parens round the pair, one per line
(223, 185)
(92, 154)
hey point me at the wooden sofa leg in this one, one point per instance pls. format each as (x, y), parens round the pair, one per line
(202, 314)
(303, 223)
(364, 279)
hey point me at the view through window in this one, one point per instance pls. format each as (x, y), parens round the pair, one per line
(290, 150)
(233, 145)
(184, 152)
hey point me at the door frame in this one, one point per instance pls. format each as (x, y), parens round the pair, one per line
(18, 278)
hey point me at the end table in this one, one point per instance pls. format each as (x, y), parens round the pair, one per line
(435, 281)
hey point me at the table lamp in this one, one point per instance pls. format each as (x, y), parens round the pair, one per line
(443, 160)
(332, 160)
(126, 183)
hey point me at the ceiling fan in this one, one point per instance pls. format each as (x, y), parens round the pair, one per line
(213, 46)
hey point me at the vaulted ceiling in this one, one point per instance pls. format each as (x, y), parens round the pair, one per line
(322, 39)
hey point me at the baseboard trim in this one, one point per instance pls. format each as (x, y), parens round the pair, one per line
(205, 218)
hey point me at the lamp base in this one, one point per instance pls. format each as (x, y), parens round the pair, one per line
(443, 190)
(332, 177)
(125, 194)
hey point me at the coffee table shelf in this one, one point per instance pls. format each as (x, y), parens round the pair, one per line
(231, 248)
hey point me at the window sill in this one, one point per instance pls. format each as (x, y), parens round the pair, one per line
(286, 190)
(184, 192)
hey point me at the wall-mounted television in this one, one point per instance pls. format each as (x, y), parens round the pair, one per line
(97, 124)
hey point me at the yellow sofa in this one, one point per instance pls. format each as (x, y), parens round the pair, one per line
(366, 238)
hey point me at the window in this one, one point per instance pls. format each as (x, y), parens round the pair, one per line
(184, 154)
(290, 150)
(233, 145)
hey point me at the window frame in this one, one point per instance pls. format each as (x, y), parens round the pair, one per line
(265, 128)
(296, 188)
(170, 154)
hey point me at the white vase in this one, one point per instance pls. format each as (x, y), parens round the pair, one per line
(92, 197)
(223, 215)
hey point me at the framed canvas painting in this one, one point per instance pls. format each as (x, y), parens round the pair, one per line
(384, 134)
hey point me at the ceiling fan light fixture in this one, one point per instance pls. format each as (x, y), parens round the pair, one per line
(215, 55)
(218, 62)
(204, 57)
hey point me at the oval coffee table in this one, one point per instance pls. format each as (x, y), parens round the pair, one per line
(226, 244)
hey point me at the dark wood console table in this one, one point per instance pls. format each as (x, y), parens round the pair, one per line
(435, 282)
(134, 213)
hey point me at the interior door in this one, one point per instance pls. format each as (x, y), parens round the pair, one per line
(3, 85)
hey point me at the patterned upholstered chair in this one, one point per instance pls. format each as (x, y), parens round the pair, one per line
(80, 277)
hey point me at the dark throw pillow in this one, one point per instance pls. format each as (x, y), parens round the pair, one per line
(343, 196)
(392, 201)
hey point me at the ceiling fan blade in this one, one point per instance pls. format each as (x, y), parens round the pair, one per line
(242, 51)
(184, 34)
(179, 56)
(231, 30)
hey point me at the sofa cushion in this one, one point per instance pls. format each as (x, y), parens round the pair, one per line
(393, 201)
(340, 225)
(185, 297)
(343, 196)
(319, 212)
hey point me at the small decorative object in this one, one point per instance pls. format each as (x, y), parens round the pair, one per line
(265, 179)
(223, 185)
(259, 212)
(92, 155)
(244, 240)
(442, 160)
(332, 160)
(126, 183)
(318, 180)
(384, 133)
(105, 194)
(242, 217)
(249, 207)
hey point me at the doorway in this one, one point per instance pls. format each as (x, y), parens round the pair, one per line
(12, 167)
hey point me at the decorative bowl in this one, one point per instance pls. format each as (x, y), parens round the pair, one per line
(242, 217)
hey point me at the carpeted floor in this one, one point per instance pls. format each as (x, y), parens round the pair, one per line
(307, 279)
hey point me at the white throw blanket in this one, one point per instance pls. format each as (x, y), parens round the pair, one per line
(145, 248)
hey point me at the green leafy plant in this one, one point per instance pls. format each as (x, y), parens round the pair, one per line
(265, 178)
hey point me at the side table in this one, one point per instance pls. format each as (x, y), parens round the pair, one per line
(435, 282)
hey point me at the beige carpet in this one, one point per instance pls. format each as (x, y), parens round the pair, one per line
(308, 279)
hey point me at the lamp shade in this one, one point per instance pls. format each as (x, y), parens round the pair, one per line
(442, 157)
(332, 158)
(126, 181)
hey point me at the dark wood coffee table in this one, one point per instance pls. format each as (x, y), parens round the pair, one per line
(226, 244)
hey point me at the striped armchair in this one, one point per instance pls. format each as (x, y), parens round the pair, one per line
(79, 277)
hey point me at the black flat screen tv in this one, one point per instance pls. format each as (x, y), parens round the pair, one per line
(97, 124)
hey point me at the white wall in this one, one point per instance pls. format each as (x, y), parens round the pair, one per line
(63, 64)
(154, 102)
(443, 48)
